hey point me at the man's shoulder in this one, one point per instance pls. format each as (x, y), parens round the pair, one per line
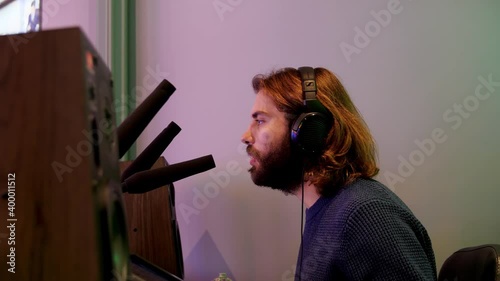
(361, 193)
(363, 190)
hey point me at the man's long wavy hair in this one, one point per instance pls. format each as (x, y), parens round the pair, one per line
(350, 152)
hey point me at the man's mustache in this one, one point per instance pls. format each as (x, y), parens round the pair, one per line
(251, 151)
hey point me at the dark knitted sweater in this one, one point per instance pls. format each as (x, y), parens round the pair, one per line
(364, 232)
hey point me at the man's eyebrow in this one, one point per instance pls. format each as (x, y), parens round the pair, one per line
(257, 113)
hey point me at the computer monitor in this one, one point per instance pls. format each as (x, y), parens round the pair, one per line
(20, 16)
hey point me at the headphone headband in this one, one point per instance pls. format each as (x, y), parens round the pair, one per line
(309, 88)
(311, 128)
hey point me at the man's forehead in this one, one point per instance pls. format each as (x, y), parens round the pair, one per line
(263, 104)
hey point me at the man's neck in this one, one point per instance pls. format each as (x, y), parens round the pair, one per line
(311, 194)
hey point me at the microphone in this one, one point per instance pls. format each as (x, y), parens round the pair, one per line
(145, 181)
(130, 129)
(152, 152)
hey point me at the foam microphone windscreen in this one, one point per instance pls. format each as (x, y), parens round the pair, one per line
(145, 181)
(152, 152)
(130, 129)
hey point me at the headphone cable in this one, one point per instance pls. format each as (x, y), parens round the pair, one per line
(302, 226)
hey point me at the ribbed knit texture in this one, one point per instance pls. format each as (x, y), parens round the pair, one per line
(365, 232)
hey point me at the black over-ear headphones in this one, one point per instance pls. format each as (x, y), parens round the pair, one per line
(310, 129)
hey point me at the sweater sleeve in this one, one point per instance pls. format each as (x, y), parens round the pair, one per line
(382, 241)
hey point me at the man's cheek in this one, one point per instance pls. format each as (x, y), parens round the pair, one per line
(266, 139)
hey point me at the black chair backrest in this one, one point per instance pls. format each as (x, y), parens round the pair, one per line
(478, 263)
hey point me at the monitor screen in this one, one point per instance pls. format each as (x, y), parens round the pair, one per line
(20, 16)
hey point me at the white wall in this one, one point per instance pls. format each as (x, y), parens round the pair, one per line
(90, 15)
(408, 80)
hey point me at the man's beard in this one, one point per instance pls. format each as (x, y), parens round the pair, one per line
(279, 169)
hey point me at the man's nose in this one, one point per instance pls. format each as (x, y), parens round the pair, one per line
(247, 138)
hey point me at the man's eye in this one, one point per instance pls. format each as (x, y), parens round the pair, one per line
(259, 121)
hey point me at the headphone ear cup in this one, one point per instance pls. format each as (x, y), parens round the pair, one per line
(309, 132)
